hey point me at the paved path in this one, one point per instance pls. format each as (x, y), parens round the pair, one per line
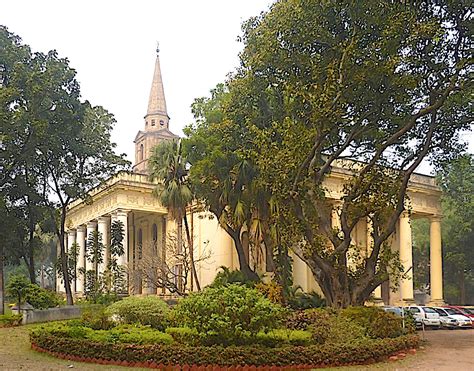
(444, 350)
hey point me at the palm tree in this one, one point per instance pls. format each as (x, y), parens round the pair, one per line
(168, 165)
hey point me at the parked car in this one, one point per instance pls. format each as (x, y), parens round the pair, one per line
(462, 310)
(403, 312)
(447, 321)
(428, 316)
(463, 321)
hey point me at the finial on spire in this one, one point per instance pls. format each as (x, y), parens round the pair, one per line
(157, 47)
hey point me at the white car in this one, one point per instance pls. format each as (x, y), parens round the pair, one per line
(462, 320)
(447, 321)
(428, 316)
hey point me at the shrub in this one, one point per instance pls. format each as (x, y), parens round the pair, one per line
(127, 334)
(184, 335)
(272, 291)
(40, 298)
(227, 277)
(173, 354)
(302, 300)
(337, 330)
(283, 337)
(10, 320)
(96, 317)
(229, 314)
(149, 310)
(301, 320)
(378, 323)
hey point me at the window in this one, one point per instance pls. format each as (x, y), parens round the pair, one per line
(140, 243)
(140, 153)
(162, 123)
(146, 123)
(154, 237)
(152, 122)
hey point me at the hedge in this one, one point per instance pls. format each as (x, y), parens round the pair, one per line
(10, 320)
(369, 350)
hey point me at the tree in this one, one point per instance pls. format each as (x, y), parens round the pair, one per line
(45, 123)
(117, 279)
(17, 287)
(168, 165)
(371, 88)
(457, 181)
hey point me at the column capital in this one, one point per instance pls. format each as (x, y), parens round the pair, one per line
(405, 214)
(103, 219)
(81, 228)
(122, 212)
(71, 232)
(435, 218)
(91, 224)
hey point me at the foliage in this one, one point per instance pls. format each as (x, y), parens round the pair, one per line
(53, 145)
(10, 320)
(300, 300)
(228, 314)
(169, 166)
(96, 317)
(116, 275)
(41, 298)
(301, 320)
(317, 355)
(137, 335)
(272, 291)
(326, 87)
(377, 322)
(284, 337)
(17, 287)
(148, 311)
(225, 276)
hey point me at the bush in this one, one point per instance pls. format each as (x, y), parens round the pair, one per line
(301, 320)
(40, 298)
(173, 354)
(126, 334)
(272, 291)
(228, 314)
(284, 337)
(10, 320)
(185, 335)
(377, 322)
(149, 310)
(227, 277)
(303, 300)
(96, 317)
(337, 330)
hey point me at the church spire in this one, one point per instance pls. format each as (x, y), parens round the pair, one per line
(157, 116)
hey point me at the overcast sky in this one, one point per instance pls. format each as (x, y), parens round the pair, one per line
(112, 46)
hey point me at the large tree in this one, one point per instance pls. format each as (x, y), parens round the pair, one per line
(372, 88)
(57, 143)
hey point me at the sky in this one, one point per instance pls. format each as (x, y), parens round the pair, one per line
(112, 44)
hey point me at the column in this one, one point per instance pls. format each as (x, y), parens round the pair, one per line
(406, 258)
(377, 293)
(436, 262)
(122, 216)
(91, 228)
(71, 240)
(81, 259)
(104, 232)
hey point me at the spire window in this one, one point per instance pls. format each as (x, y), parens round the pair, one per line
(162, 123)
(152, 122)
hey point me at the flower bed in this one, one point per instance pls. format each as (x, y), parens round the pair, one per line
(365, 351)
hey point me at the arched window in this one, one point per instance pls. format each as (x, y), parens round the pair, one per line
(140, 243)
(141, 152)
(154, 237)
(152, 122)
(162, 123)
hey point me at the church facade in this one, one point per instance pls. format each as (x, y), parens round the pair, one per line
(128, 198)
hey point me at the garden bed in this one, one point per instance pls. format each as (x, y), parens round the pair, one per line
(366, 351)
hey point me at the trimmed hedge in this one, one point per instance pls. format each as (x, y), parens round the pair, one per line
(10, 320)
(179, 354)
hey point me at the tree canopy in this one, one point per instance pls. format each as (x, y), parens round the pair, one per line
(370, 88)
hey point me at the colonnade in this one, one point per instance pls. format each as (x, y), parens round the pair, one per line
(81, 233)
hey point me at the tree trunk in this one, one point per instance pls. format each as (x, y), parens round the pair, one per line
(462, 288)
(191, 252)
(2, 285)
(30, 263)
(243, 263)
(64, 263)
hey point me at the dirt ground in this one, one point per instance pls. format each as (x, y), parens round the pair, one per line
(444, 350)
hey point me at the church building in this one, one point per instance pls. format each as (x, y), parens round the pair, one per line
(128, 197)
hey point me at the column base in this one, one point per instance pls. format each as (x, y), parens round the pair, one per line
(436, 303)
(405, 302)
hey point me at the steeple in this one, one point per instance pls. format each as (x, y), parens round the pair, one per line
(157, 116)
(156, 122)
